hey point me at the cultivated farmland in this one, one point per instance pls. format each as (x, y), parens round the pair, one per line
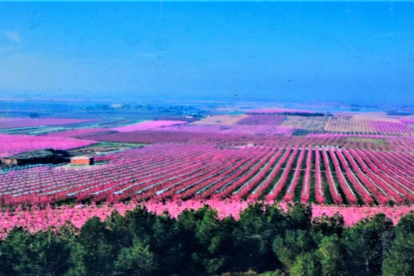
(257, 158)
(302, 172)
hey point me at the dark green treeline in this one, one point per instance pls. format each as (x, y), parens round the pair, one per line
(198, 243)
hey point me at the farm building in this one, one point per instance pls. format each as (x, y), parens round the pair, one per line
(82, 160)
(247, 145)
(250, 144)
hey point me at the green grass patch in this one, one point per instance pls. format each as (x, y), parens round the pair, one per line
(289, 178)
(326, 190)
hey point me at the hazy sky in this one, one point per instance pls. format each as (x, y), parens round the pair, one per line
(350, 52)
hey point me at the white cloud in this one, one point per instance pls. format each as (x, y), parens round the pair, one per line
(14, 36)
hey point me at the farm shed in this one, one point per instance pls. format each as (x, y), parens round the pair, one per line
(82, 160)
(250, 144)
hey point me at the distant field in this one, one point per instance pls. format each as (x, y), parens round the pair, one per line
(9, 123)
(220, 120)
(148, 125)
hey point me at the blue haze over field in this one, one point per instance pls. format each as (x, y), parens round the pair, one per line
(340, 51)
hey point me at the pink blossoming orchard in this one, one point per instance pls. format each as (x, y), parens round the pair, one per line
(13, 144)
(357, 166)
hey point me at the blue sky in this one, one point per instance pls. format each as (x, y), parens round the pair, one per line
(293, 51)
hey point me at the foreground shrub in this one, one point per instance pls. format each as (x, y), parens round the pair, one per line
(263, 241)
